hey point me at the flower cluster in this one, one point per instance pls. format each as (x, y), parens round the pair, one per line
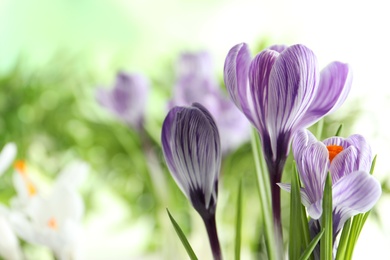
(52, 220)
(281, 91)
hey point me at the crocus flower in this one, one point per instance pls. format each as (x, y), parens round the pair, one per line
(127, 99)
(281, 91)
(348, 160)
(54, 220)
(196, 82)
(192, 150)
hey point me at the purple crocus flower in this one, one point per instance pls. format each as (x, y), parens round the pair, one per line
(192, 150)
(348, 160)
(281, 91)
(127, 99)
(196, 82)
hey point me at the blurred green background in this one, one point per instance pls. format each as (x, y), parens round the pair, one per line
(55, 53)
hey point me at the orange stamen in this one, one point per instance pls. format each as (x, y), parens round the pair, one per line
(20, 166)
(333, 151)
(52, 223)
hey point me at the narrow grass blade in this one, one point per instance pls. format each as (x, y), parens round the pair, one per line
(344, 239)
(182, 237)
(373, 165)
(237, 251)
(338, 132)
(265, 196)
(306, 254)
(295, 235)
(327, 222)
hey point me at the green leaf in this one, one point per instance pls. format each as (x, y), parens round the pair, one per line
(264, 190)
(338, 132)
(237, 250)
(373, 165)
(344, 239)
(182, 237)
(327, 221)
(294, 250)
(306, 254)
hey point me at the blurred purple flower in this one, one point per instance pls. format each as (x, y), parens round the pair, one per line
(127, 99)
(349, 161)
(192, 150)
(282, 91)
(196, 82)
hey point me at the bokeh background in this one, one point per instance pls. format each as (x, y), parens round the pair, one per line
(55, 53)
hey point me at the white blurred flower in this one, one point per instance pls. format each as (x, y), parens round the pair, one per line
(7, 156)
(9, 244)
(26, 189)
(54, 220)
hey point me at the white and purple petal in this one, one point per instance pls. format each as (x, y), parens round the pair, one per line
(259, 73)
(292, 86)
(312, 166)
(343, 164)
(334, 86)
(236, 70)
(353, 194)
(364, 149)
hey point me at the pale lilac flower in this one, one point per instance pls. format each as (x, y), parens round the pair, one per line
(196, 82)
(192, 150)
(127, 99)
(348, 160)
(281, 91)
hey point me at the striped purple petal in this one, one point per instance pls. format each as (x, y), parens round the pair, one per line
(334, 86)
(192, 150)
(353, 194)
(236, 76)
(293, 85)
(312, 166)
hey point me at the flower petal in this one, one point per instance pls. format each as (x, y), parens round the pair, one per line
(259, 72)
(335, 84)
(312, 166)
(302, 139)
(343, 164)
(364, 159)
(292, 87)
(355, 193)
(7, 156)
(236, 75)
(278, 48)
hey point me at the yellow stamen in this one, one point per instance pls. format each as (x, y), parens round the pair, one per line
(20, 166)
(333, 151)
(52, 223)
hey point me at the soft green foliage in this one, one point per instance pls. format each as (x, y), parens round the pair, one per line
(265, 196)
